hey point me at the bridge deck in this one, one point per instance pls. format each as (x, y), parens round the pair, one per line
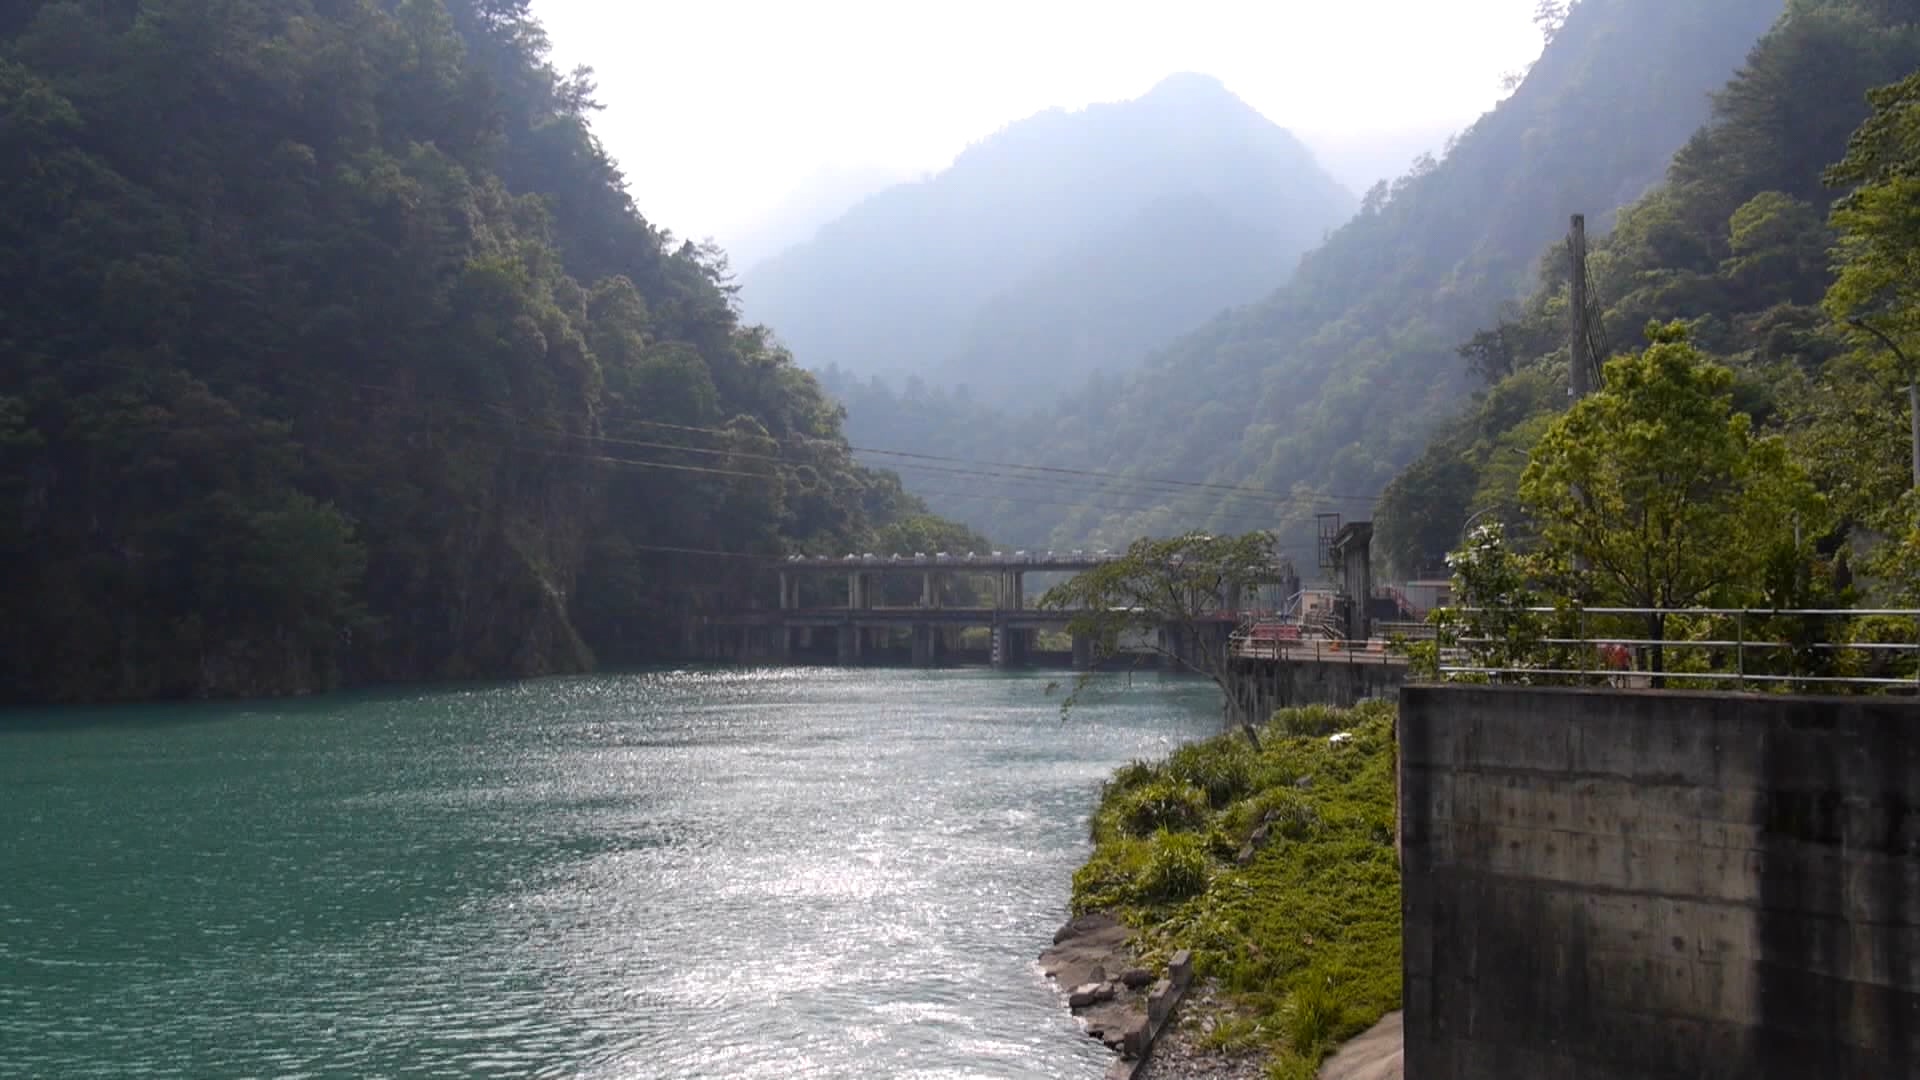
(1066, 562)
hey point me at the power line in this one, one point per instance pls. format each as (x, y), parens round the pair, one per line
(1146, 487)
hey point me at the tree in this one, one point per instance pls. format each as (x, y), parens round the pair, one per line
(1493, 620)
(1662, 491)
(1174, 585)
(1877, 291)
(1492, 354)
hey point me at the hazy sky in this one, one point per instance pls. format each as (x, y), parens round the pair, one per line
(717, 108)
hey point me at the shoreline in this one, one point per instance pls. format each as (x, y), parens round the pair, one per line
(1272, 877)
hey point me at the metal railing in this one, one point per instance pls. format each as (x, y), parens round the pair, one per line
(1316, 648)
(1740, 647)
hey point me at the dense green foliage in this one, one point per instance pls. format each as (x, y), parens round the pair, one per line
(1735, 243)
(1068, 242)
(1322, 391)
(1662, 496)
(1305, 936)
(335, 351)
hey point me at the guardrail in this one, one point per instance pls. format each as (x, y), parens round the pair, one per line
(1741, 647)
(1318, 649)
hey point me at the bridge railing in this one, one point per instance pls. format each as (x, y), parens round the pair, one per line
(1844, 649)
(1316, 648)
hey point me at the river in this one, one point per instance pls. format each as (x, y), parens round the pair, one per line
(793, 873)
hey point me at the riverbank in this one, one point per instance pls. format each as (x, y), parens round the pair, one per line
(1276, 869)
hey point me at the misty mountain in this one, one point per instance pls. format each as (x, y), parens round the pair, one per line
(921, 278)
(816, 200)
(1361, 159)
(1329, 385)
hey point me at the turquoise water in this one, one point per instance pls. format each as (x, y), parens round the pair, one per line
(798, 873)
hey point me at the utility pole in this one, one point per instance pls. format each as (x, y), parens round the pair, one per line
(1579, 383)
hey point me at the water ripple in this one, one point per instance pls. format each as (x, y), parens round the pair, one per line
(791, 873)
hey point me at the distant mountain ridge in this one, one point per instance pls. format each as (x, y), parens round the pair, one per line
(907, 282)
(798, 215)
(1324, 389)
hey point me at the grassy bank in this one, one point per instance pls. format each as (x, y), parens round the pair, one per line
(1304, 938)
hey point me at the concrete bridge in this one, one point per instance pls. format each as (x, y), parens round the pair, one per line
(854, 610)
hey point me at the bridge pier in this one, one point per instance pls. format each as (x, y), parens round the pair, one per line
(849, 645)
(1011, 647)
(1082, 652)
(1173, 648)
(929, 645)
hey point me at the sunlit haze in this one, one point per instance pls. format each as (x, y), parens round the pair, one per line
(718, 111)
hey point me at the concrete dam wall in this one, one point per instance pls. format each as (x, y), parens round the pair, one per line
(1603, 885)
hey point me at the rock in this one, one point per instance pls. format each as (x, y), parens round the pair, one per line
(1135, 978)
(1304, 783)
(1092, 993)
(1084, 925)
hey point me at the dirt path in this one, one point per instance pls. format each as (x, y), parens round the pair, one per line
(1373, 1055)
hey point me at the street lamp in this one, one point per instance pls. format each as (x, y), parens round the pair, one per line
(1913, 391)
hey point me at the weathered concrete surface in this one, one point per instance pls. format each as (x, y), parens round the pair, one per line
(1375, 1054)
(1607, 884)
(1261, 685)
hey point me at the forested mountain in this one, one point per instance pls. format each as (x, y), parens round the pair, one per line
(1329, 385)
(334, 351)
(999, 273)
(1736, 243)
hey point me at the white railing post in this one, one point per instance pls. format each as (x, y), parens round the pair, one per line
(1740, 649)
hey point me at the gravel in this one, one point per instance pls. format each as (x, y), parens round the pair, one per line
(1177, 1054)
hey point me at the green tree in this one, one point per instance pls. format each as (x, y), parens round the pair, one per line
(1174, 585)
(1492, 620)
(1662, 491)
(1876, 294)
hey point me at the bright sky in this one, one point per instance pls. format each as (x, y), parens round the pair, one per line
(715, 109)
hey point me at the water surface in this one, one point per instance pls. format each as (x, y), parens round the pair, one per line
(800, 873)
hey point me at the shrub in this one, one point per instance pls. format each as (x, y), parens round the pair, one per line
(1110, 879)
(1235, 1034)
(1163, 804)
(1223, 768)
(1312, 720)
(1312, 1016)
(1133, 774)
(1177, 868)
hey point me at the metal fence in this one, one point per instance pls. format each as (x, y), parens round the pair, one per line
(1839, 648)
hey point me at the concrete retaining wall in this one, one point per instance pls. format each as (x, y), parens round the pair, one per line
(1621, 884)
(1261, 686)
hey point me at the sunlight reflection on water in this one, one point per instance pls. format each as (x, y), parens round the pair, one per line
(812, 873)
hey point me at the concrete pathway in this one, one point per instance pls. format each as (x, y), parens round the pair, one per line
(1372, 1055)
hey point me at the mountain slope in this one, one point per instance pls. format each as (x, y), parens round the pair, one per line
(336, 353)
(897, 285)
(1329, 385)
(813, 202)
(1736, 242)
(1099, 306)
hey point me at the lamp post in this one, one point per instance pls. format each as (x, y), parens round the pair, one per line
(1467, 525)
